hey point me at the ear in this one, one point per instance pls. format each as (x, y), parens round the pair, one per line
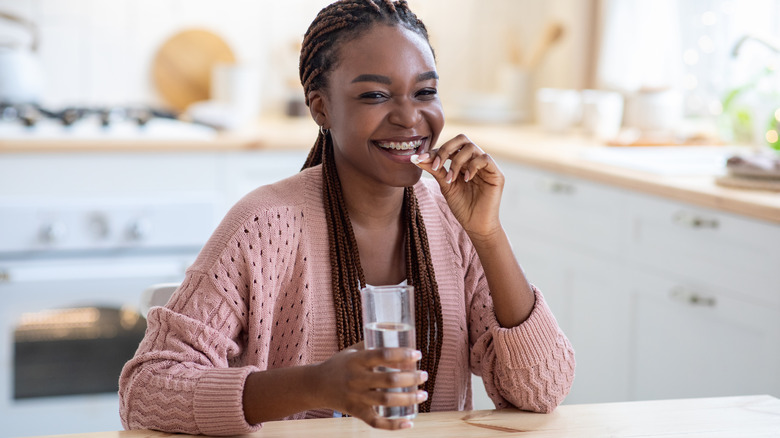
(318, 108)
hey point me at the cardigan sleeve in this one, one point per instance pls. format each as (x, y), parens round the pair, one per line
(530, 366)
(179, 380)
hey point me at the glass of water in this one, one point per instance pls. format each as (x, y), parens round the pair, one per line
(388, 322)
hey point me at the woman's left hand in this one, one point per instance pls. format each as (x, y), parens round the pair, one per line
(472, 186)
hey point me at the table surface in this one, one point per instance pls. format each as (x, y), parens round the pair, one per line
(744, 416)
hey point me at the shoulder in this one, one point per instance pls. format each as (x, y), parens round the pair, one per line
(289, 191)
(279, 207)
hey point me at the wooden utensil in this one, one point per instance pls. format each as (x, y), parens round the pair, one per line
(182, 66)
(551, 34)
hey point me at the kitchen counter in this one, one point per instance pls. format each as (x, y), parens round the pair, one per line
(747, 416)
(522, 144)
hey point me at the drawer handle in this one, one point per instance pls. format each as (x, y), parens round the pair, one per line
(693, 298)
(692, 220)
(559, 187)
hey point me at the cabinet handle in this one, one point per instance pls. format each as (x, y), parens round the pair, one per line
(693, 298)
(691, 220)
(559, 187)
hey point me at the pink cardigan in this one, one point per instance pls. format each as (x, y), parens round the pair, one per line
(258, 297)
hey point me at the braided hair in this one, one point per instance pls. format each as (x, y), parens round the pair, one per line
(337, 23)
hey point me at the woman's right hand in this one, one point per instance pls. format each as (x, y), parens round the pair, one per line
(348, 383)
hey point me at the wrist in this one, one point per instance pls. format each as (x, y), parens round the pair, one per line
(489, 238)
(313, 378)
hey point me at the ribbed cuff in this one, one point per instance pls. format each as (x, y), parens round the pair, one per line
(531, 342)
(218, 404)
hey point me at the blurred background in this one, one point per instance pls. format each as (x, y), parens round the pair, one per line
(121, 118)
(493, 55)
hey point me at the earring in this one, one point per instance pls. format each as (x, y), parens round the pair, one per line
(324, 131)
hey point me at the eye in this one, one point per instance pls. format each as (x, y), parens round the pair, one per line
(427, 93)
(373, 96)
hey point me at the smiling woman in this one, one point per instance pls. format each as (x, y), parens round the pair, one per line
(267, 324)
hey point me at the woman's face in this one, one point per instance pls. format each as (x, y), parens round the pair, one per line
(382, 106)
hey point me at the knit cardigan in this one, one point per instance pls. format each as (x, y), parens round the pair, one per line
(259, 297)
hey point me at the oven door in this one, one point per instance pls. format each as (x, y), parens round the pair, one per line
(66, 327)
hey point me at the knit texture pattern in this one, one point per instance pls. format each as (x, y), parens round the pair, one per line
(259, 297)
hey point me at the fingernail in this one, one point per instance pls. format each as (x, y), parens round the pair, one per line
(407, 425)
(466, 176)
(424, 376)
(424, 156)
(415, 159)
(449, 177)
(416, 355)
(436, 163)
(422, 396)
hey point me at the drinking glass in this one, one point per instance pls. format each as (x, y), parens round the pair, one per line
(388, 322)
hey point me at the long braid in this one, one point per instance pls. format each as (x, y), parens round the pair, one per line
(334, 25)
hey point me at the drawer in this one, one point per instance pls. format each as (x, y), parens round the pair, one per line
(562, 209)
(716, 248)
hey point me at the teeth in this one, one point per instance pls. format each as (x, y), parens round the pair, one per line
(401, 146)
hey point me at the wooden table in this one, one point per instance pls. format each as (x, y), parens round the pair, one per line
(744, 417)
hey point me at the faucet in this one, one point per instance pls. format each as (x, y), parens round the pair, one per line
(766, 41)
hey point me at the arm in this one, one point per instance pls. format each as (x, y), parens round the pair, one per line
(516, 346)
(513, 297)
(181, 378)
(346, 383)
(472, 187)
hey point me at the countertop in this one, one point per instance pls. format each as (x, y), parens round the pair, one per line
(746, 417)
(522, 144)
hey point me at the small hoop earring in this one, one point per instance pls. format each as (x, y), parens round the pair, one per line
(324, 131)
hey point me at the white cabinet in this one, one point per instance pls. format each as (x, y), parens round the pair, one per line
(660, 299)
(567, 235)
(692, 339)
(247, 170)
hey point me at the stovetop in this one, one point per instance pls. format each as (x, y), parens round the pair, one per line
(31, 121)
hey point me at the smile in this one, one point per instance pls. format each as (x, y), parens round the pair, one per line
(401, 146)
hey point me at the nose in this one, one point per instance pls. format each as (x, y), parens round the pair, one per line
(405, 113)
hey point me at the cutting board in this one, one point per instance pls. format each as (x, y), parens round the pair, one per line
(182, 67)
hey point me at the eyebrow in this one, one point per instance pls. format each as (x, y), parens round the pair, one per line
(386, 80)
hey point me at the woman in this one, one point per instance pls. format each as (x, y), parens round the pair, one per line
(266, 324)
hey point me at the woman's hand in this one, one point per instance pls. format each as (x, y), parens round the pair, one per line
(472, 186)
(348, 383)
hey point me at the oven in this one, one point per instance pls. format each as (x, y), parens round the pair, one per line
(72, 273)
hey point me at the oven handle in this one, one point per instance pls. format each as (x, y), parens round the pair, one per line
(95, 270)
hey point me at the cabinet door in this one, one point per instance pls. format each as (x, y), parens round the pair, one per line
(726, 250)
(693, 340)
(590, 303)
(577, 213)
(598, 327)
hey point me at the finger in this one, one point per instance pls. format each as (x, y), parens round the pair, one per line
(473, 167)
(450, 149)
(390, 357)
(375, 421)
(465, 155)
(399, 379)
(398, 397)
(426, 162)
